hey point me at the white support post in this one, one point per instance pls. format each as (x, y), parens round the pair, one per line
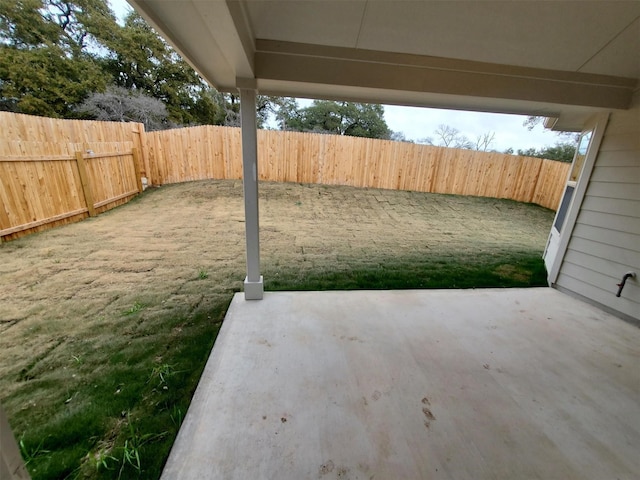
(253, 284)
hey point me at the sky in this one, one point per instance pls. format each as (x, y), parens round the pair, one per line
(417, 123)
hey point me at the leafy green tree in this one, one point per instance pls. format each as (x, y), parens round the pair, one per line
(86, 25)
(561, 151)
(45, 68)
(285, 110)
(142, 61)
(230, 103)
(340, 118)
(22, 25)
(56, 54)
(43, 81)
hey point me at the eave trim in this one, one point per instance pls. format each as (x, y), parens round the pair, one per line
(305, 63)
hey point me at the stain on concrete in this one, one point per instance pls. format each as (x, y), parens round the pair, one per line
(428, 414)
(326, 468)
(343, 472)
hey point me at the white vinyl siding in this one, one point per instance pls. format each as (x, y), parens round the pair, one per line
(605, 243)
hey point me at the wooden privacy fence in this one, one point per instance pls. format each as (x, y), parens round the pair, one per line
(54, 172)
(58, 171)
(215, 152)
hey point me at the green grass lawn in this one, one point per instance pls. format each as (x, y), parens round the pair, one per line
(463, 271)
(102, 349)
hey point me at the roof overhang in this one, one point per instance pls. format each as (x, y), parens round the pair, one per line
(220, 39)
(283, 68)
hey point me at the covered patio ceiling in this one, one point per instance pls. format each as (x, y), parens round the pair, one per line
(561, 59)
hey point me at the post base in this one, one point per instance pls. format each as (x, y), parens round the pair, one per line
(253, 290)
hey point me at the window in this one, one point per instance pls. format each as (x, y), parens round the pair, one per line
(564, 206)
(576, 170)
(581, 154)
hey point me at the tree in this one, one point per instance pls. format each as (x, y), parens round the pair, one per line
(230, 105)
(56, 53)
(285, 110)
(141, 60)
(340, 118)
(86, 25)
(45, 68)
(532, 121)
(561, 151)
(447, 136)
(399, 137)
(118, 104)
(42, 81)
(22, 25)
(483, 142)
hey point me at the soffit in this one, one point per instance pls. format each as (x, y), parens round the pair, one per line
(558, 39)
(571, 36)
(621, 55)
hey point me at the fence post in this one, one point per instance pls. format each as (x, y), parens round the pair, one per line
(86, 187)
(143, 151)
(4, 221)
(136, 168)
(534, 192)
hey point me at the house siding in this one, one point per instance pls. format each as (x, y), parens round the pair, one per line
(605, 242)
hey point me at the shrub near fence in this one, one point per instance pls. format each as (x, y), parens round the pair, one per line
(54, 172)
(215, 152)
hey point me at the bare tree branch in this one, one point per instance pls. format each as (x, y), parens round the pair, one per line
(484, 141)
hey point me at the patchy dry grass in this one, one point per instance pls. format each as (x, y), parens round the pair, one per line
(106, 324)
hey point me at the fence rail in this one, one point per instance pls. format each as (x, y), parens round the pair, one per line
(54, 172)
(215, 152)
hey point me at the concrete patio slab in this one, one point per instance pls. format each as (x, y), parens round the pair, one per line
(442, 384)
